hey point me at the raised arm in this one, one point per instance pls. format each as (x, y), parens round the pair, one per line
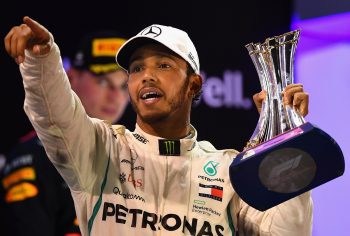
(68, 134)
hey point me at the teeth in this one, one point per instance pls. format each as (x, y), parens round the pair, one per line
(150, 95)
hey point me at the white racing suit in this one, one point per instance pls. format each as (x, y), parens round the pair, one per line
(132, 183)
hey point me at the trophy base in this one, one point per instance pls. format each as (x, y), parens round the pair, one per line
(286, 166)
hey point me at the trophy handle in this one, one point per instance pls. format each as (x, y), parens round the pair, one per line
(261, 130)
(282, 50)
(269, 124)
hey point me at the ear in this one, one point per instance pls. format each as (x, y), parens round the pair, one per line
(196, 82)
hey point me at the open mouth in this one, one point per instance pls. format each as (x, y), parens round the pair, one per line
(150, 94)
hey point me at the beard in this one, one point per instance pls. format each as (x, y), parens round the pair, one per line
(175, 103)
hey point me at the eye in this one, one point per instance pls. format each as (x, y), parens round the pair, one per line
(164, 66)
(134, 69)
(124, 86)
(102, 82)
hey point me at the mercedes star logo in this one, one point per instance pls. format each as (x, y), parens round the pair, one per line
(152, 31)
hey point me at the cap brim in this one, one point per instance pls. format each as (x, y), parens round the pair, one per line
(125, 52)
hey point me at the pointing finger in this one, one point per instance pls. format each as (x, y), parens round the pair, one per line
(33, 25)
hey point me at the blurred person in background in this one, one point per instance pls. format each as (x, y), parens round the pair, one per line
(37, 199)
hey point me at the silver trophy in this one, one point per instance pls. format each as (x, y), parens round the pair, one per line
(273, 60)
(286, 156)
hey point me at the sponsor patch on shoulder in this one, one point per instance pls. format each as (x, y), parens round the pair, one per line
(23, 174)
(21, 192)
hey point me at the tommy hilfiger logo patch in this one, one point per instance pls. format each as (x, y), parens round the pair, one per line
(169, 147)
(211, 191)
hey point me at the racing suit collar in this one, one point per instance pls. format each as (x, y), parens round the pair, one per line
(155, 143)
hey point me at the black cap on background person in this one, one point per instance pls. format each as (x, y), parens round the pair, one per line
(96, 52)
(96, 78)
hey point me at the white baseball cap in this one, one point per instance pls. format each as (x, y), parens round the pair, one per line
(175, 39)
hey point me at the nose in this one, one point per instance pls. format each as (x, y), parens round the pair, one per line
(149, 75)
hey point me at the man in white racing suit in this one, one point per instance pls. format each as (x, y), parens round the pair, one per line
(158, 179)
